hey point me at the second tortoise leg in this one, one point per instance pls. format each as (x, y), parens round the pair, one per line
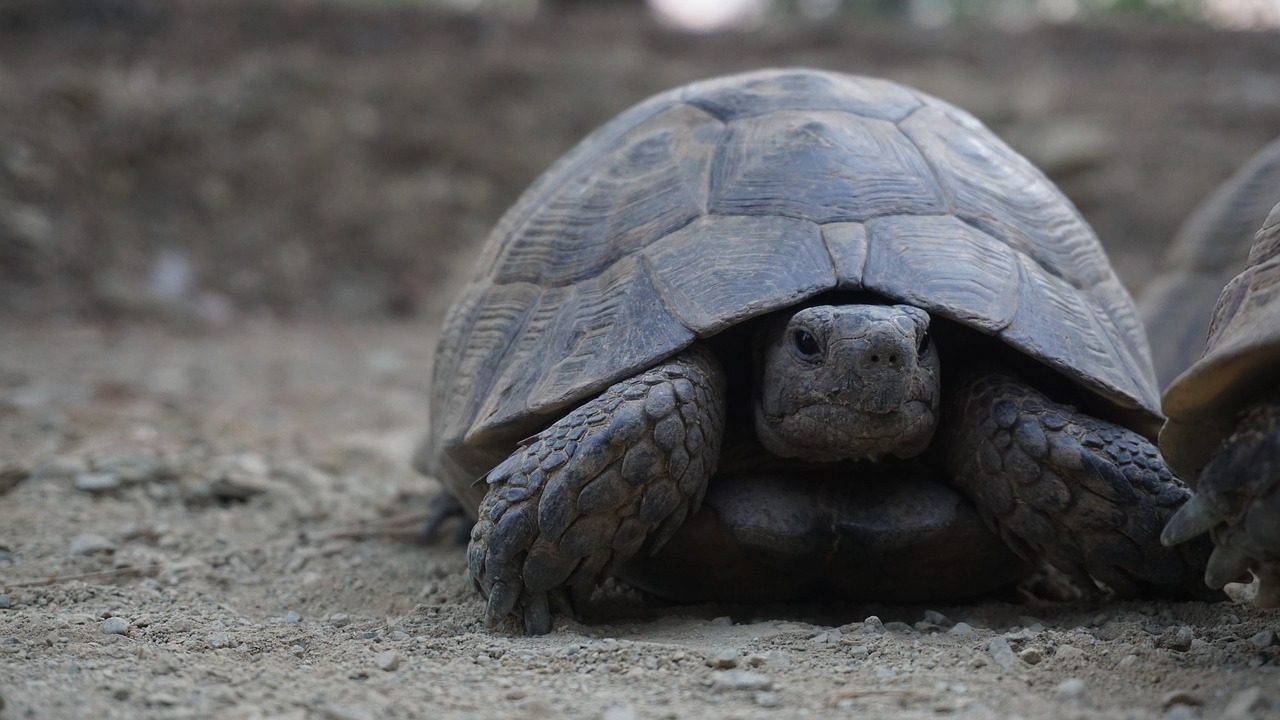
(1238, 500)
(617, 474)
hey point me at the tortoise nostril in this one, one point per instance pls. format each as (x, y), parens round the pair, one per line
(893, 359)
(875, 358)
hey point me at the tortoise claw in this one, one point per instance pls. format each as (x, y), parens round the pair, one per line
(537, 615)
(1226, 564)
(1196, 517)
(502, 599)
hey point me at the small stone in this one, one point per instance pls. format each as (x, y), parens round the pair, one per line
(91, 544)
(388, 660)
(1179, 711)
(162, 699)
(722, 621)
(937, 618)
(859, 651)
(872, 624)
(4, 602)
(961, 628)
(1068, 652)
(115, 626)
(777, 659)
(1264, 639)
(1031, 656)
(728, 680)
(222, 639)
(898, 627)
(767, 699)
(1244, 705)
(1179, 697)
(297, 650)
(339, 620)
(1127, 661)
(725, 659)
(1071, 689)
(97, 482)
(1178, 640)
(1002, 653)
(292, 618)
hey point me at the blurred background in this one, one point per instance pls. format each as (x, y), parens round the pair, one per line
(209, 161)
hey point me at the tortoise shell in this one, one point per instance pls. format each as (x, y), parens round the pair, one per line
(723, 200)
(1241, 359)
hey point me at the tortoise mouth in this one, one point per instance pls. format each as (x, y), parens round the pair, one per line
(828, 432)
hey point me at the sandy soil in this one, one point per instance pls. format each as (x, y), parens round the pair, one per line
(221, 525)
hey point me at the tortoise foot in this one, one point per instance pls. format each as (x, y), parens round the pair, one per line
(1087, 496)
(587, 493)
(441, 508)
(1238, 503)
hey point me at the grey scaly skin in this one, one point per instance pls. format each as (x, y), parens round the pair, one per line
(621, 473)
(1238, 502)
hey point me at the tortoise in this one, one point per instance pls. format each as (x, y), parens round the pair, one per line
(1223, 431)
(704, 353)
(1210, 247)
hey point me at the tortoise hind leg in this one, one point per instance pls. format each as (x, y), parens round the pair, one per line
(1087, 496)
(588, 492)
(1238, 497)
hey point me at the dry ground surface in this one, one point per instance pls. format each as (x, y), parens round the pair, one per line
(209, 214)
(209, 526)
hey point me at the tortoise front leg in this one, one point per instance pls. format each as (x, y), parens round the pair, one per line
(1087, 496)
(587, 493)
(1238, 498)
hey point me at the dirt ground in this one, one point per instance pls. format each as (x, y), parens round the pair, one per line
(226, 234)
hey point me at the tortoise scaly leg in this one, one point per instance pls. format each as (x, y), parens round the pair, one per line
(1238, 501)
(1087, 496)
(588, 492)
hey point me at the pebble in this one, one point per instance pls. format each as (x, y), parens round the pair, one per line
(91, 544)
(115, 626)
(961, 628)
(388, 660)
(4, 602)
(1263, 639)
(1002, 653)
(1179, 711)
(898, 627)
(1180, 697)
(1031, 656)
(873, 624)
(937, 618)
(292, 618)
(1068, 652)
(1071, 689)
(339, 620)
(222, 639)
(725, 659)
(728, 680)
(767, 699)
(96, 482)
(1178, 640)
(777, 659)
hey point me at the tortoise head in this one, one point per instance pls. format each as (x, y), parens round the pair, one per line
(847, 382)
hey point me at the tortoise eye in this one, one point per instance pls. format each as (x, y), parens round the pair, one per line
(806, 344)
(924, 346)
